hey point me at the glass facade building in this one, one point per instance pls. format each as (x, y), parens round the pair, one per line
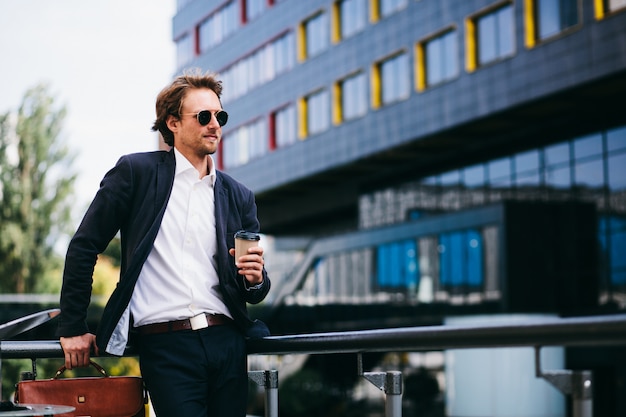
(358, 114)
(437, 158)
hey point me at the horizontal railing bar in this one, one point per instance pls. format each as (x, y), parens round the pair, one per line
(576, 331)
(582, 331)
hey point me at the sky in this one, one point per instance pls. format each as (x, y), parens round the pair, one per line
(105, 61)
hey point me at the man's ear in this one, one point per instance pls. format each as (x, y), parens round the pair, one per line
(172, 123)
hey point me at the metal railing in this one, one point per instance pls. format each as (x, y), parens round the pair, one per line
(537, 333)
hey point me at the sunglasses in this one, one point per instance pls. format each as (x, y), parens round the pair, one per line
(204, 117)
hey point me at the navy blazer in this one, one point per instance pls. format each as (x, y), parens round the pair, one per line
(132, 199)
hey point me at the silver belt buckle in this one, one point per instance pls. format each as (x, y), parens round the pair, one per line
(199, 322)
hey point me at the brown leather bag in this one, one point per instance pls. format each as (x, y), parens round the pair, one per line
(106, 396)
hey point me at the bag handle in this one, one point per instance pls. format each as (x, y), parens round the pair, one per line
(92, 363)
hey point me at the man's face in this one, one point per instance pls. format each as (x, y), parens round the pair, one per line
(191, 138)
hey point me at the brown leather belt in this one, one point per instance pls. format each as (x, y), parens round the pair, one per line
(186, 324)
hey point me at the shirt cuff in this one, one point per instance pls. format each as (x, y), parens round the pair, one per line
(252, 287)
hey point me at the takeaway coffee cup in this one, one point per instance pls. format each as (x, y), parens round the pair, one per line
(243, 241)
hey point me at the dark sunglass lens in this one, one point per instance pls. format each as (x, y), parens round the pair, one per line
(204, 117)
(222, 117)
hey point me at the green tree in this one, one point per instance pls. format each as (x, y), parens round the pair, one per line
(36, 183)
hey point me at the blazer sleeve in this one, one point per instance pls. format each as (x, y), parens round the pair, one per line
(101, 223)
(250, 223)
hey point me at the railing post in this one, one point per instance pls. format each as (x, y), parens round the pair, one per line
(268, 380)
(578, 384)
(390, 383)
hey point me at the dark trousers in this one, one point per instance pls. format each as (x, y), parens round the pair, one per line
(196, 373)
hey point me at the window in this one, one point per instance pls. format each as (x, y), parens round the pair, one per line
(612, 233)
(388, 7)
(184, 50)
(490, 37)
(613, 5)
(317, 112)
(254, 8)
(283, 51)
(474, 176)
(352, 17)
(219, 25)
(391, 78)
(495, 35)
(285, 126)
(316, 35)
(461, 260)
(439, 59)
(397, 265)
(604, 7)
(260, 67)
(617, 172)
(527, 167)
(245, 144)
(353, 92)
(499, 172)
(554, 16)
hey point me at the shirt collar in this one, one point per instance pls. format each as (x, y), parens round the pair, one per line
(183, 165)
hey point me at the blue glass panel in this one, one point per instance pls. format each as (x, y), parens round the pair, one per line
(557, 154)
(527, 162)
(487, 39)
(474, 176)
(618, 277)
(560, 178)
(410, 264)
(475, 271)
(445, 277)
(528, 179)
(451, 178)
(548, 17)
(395, 268)
(617, 172)
(450, 56)
(616, 139)
(434, 61)
(505, 32)
(457, 258)
(590, 173)
(382, 259)
(618, 250)
(588, 146)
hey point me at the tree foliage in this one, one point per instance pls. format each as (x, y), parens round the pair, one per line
(36, 185)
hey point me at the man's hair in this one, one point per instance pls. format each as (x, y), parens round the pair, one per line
(169, 102)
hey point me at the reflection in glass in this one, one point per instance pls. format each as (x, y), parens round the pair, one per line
(557, 154)
(617, 172)
(588, 146)
(317, 34)
(590, 174)
(442, 58)
(555, 15)
(527, 161)
(616, 139)
(354, 96)
(395, 78)
(500, 171)
(318, 112)
(474, 176)
(495, 35)
(353, 15)
(559, 178)
(285, 126)
(451, 178)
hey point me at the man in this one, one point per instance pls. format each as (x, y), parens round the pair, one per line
(180, 289)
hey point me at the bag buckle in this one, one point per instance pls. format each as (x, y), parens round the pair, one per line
(199, 322)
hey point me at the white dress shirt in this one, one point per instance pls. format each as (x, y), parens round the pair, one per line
(179, 279)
